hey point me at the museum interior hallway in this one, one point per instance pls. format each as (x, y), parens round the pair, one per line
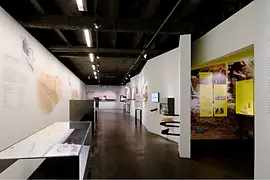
(121, 150)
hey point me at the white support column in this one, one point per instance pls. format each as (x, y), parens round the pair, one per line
(185, 78)
(262, 89)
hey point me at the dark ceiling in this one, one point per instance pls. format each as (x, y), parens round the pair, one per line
(126, 26)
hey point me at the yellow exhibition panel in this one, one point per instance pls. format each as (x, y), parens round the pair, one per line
(245, 97)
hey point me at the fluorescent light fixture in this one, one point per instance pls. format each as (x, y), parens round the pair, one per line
(95, 77)
(92, 57)
(94, 67)
(95, 73)
(80, 5)
(88, 38)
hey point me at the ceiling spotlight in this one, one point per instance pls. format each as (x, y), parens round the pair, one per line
(94, 67)
(126, 78)
(92, 57)
(145, 56)
(95, 77)
(98, 70)
(129, 75)
(97, 57)
(96, 25)
(95, 73)
(88, 77)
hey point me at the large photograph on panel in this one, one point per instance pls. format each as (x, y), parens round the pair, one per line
(222, 101)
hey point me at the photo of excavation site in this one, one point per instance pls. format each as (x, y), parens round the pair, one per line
(231, 126)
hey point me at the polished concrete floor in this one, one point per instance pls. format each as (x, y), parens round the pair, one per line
(121, 150)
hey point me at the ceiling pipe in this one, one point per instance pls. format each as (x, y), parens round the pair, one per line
(156, 33)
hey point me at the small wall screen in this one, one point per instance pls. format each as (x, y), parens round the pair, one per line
(155, 97)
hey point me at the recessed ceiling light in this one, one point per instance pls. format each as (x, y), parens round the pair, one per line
(95, 77)
(95, 73)
(88, 77)
(129, 75)
(126, 78)
(92, 57)
(97, 57)
(94, 67)
(80, 5)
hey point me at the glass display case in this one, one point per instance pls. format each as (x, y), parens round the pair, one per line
(59, 151)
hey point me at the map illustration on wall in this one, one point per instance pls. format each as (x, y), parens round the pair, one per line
(28, 54)
(48, 92)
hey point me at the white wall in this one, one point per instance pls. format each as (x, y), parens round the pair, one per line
(235, 33)
(262, 89)
(22, 90)
(161, 74)
(108, 89)
(169, 75)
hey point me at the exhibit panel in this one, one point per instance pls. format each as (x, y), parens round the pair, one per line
(217, 94)
(36, 86)
(55, 148)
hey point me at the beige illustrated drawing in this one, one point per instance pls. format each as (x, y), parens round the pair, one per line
(48, 91)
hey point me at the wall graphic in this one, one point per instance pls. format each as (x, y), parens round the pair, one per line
(128, 93)
(33, 82)
(48, 91)
(28, 54)
(145, 93)
(106, 95)
(134, 93)
(213, 97)
(75, 94)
